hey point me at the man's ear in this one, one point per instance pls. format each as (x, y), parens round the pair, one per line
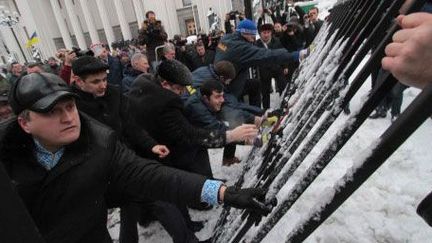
(165, 84)
(24, 124)
(78, 80)
(205, 99)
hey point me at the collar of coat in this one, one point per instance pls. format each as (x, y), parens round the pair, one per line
(15, 144)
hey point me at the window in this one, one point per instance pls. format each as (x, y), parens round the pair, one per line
(187, 2)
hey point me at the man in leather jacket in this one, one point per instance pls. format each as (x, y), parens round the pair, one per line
(62, 163)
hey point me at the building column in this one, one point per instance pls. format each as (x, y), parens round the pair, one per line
(139, 12)
(12, 44)
(105, 22)
(61, 24)
(89, 21)
(172, 20)
(124, 26)
(75, 24)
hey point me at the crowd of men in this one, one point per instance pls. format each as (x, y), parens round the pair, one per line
(130, 127)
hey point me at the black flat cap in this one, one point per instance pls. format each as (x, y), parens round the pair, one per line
(175, 72)
(38, 92)
(88, 65)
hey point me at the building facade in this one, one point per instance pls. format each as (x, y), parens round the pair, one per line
(79, 23)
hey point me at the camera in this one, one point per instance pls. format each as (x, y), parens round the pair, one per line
(290, 27)
(181, 43)
(79, 53)
(234, 14)
(153, 27)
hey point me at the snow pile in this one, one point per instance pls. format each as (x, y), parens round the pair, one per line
(381, 210)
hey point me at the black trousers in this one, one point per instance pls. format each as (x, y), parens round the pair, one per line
(252, 89)
(169, 215)
(394, 99)
(266, 89)
(229, 151)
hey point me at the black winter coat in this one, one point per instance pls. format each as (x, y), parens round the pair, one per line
(206, 60)
(161, 112)
(68, 202)
(274, 44)
(105, 109)
(110, 110)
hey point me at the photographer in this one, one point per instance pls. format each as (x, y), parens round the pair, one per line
(312, 25)
(292, 39)
(233, 15)
(152, 34)
(66, 56)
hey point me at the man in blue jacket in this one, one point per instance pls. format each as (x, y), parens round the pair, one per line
(204, 109)
(238, 49)
(232, 110)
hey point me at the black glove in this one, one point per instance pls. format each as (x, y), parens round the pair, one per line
(248, 198)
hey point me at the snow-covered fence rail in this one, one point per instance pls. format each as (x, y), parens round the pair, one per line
(354, 29)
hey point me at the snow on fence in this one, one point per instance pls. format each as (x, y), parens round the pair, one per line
(353, 29)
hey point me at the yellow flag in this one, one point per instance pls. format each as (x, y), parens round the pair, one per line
(34, 39)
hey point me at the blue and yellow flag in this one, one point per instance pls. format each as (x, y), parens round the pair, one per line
(34, 39)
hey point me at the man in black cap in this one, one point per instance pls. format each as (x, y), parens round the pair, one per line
(238, 49)
(160, 110)
(105, 103)
(62, 163)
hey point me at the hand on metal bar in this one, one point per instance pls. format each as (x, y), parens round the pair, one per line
(409, 56)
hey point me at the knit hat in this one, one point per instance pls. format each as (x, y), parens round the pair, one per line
(175, 72)
(247, 26)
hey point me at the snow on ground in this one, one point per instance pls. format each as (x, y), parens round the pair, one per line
(382, 210)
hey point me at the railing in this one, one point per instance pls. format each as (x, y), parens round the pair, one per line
(354, 29)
